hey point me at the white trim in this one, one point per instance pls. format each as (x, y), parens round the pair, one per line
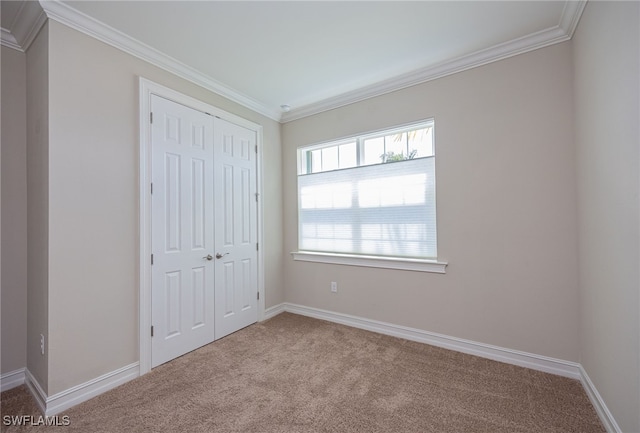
(81, 22)
(36, 391)
(603, 412)
(33, 22)
(8, 40)
(501, 354)
(546, 364)
(75, 395)
(498, 52)
(571, 16)
(12, 379)
(28, 22)
(83, 392)
(147, 88)
(371, 261)
(261, 237)
(78, 394)
(144, 223)
(77, 20)
(273, 311)
(560, 33)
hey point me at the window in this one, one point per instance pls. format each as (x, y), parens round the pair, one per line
(370, 200)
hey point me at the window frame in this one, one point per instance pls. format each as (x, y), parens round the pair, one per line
(303, 162)
(387, 262)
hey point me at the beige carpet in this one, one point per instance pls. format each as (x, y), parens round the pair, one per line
(296, 374)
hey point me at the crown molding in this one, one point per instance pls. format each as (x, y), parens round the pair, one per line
(562, 32)
(33, 15)
(8, 40)
(28, 22)
(571, 16)
(81, 22)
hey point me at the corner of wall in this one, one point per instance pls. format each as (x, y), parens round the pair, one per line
(606, 66)
(37, 205)
(14, 212)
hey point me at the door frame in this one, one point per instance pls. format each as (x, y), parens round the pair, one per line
(146, 89)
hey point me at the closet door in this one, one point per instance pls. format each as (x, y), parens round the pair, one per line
(236, 288)
(182, 232)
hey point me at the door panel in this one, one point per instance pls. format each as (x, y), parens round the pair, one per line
(248, 291)
(172, 202)
(203, 202)
(236, 227)
(198, 203)
(172, 289)
(182, 279)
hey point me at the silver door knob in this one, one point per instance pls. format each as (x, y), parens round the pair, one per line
(208, 257)
(219, 256)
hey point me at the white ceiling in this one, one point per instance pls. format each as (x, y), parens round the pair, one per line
(316, 55)
(10, 12)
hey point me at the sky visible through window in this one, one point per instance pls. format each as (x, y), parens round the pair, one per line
(416, 143)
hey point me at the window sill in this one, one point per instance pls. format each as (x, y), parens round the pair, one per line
(372, 261)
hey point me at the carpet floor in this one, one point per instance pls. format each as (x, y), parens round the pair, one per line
(296, 374)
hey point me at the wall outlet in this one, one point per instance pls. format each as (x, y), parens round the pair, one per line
(334, 287)
(41, 344)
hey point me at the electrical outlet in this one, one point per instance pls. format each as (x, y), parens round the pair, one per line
(334, 287)
(41, 344)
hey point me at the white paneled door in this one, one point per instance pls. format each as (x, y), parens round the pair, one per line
(235, 228)
(186, 209)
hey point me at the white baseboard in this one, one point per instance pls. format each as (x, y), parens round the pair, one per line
(273, 311)
(605, 415)
(61, 401)
(509, 356)
(529, 360)
(83, 392)
(36, 390)
(11, 379)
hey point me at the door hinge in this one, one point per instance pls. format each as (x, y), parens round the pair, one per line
(256, 148)
(258, 296)
(257, 195)
(152, 259)
(152, 331)
(257, 248)
(151, 117)
(152, 188)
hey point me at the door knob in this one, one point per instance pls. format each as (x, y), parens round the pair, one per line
(219, 256)
(208, 257)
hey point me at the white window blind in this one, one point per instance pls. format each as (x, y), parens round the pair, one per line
(386, 209)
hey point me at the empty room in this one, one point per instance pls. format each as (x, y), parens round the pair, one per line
(320, 216)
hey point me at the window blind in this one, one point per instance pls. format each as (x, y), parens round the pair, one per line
(375, 210)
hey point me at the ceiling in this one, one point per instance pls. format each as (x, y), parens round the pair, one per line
(9, 14)
(312, 56)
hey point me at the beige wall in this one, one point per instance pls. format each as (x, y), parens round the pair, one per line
(94, 145)
(607, 92)
(507, 206)
(14, 210)
(38, 206)
(506, 209)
